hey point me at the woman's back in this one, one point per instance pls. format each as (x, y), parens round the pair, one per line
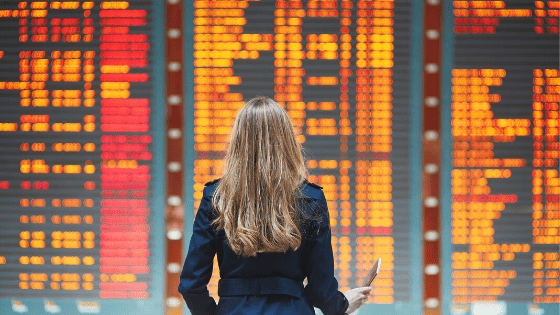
(271, 264)
(268, 226)
(268, 283)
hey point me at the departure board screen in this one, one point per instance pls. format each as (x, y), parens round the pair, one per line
(77, 146)
(502, 156)
(341, 69)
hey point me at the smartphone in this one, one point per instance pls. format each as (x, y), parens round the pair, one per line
(372, 274)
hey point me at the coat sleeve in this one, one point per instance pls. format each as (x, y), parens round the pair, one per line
(198, 266)
(322, 287)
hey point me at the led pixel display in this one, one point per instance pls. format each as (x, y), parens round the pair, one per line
(340, 69)
(504, 131)
(76, 141)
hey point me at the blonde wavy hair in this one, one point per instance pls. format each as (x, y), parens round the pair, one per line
(255, 198)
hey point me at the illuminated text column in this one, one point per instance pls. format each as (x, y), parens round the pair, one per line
(474, 208)
(374, 144)
(546, 185)
(124, 152)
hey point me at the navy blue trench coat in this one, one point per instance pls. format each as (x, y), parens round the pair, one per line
(269, 283)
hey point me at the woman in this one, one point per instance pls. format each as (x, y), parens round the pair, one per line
(269, 227)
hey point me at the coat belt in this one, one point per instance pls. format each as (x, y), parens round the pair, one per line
(259, 286)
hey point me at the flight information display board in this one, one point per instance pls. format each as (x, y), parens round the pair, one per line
(341, 69)
(77, 138)
(501, 134)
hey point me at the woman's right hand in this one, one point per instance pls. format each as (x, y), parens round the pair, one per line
(356, 298)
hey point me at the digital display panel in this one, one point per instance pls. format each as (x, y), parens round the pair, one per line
(341, 69)
(77, 142)
(502, 150)
(80, 147)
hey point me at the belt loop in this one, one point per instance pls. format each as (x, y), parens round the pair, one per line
(260, 286)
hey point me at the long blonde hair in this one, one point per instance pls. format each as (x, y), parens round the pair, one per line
(255, 198)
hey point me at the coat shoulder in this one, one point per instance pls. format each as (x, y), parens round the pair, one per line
(306, 182)
(310, 191)
(210, 188)
(210, 183)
